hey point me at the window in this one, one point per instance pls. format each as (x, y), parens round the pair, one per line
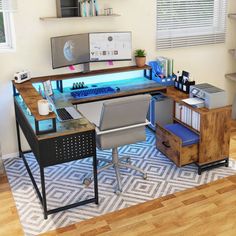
(182, 23)
(6, 24)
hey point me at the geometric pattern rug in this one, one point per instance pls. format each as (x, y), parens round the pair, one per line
(64, 185)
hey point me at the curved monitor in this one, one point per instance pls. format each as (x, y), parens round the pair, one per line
(83, 48)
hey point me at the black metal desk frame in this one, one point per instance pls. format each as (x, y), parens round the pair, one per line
(53, 151)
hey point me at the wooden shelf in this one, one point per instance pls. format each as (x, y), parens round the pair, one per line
(232, 15)
(187, 126)
(54, 18)
(90, 73)
(231, 76)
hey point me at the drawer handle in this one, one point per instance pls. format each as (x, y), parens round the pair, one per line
(166, 144)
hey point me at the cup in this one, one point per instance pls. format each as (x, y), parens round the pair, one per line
(44, 107)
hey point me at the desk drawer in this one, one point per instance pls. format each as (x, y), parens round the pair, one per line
(168, 144)
(171, 146)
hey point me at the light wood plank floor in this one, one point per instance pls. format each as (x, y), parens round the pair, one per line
(206, 210)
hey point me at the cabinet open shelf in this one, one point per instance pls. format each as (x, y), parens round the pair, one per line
(187, 126)
(54, 18)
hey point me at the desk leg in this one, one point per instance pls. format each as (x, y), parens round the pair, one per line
(18, 138)
(95, 178)
(44, 200)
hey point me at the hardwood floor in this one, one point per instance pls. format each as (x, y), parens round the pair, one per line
(209, 210)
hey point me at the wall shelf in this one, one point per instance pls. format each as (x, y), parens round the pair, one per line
(232, 52)
(54, 18)
(231, 76)
(232, 15)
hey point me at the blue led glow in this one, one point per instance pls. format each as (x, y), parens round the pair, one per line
(104, 78)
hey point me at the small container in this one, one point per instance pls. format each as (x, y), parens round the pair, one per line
(106, 11)
(110, 11)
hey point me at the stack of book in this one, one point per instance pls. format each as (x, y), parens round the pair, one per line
(88, 8)
(187, 116)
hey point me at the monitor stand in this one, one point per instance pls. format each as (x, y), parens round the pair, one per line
(86, 67)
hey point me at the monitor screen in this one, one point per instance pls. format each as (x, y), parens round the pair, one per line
(70, 50)
(90, 47)
(113, 46)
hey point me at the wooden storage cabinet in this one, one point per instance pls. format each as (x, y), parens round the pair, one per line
(171, 145)
(213, 130)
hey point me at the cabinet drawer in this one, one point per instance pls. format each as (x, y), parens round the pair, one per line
(168, 144)
(171, 146)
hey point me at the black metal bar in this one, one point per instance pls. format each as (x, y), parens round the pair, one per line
(44, 199)
(18, 138)
(150, 74)
(32, 179)
(95, 182)
(215, 164)
(70, 206)
(28, 151)
(146, 74)
(59, 85)
(14, 91)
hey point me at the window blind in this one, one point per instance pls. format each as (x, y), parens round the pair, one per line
(182, 23)
(8, 5)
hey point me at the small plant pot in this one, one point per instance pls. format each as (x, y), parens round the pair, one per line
(140, 61)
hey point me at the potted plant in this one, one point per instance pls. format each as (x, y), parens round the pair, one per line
(140, 57)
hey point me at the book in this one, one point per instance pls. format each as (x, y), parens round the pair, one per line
(163, 63)
(96, 8)
(166, 65)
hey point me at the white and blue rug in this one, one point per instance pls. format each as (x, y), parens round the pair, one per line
(64, 185)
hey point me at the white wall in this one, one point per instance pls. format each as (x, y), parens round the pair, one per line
(206, 63)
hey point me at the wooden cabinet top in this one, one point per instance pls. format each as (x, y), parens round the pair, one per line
(178, 96)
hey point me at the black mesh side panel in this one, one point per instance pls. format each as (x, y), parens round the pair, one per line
(67, 148)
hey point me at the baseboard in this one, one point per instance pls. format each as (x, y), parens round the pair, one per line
(10, 155)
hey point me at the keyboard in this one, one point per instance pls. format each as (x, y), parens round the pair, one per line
(67, 113)
(92, 92)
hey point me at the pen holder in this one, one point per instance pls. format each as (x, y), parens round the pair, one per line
(183, 87)
(186, 87)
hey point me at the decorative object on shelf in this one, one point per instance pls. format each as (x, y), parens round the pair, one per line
(108, 11)
(140, 57)
(22, 76)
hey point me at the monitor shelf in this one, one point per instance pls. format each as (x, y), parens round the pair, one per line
(54, 18)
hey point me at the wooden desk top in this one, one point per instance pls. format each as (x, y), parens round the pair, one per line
(31, 96)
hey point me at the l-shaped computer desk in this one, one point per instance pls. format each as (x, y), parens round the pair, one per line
(54, 142)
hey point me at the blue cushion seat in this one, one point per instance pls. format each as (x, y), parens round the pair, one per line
(188, 137)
